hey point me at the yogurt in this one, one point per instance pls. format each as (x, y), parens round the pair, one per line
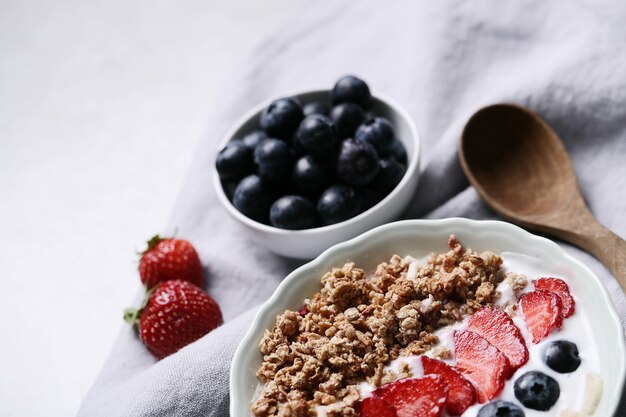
(576, 329)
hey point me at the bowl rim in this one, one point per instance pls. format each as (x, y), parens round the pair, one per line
(411, 170)
(262, 315)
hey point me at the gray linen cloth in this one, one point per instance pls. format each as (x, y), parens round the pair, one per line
(442, 60)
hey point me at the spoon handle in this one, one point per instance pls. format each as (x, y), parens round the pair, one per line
(608, 247)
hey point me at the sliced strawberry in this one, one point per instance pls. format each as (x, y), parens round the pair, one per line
(497, 327)
(423, 397)
(543, 312)
(481, 363)
(461, 393)
(560, 288)
(374, 407)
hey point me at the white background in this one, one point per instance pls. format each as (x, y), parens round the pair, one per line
(101, 106)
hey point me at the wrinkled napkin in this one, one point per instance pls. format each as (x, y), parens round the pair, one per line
(441, 60)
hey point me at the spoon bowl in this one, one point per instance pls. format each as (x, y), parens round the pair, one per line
(520, 167)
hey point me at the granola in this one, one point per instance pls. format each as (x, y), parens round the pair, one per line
(356, 324)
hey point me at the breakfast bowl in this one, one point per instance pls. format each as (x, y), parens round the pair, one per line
(308, 243)
(595, 325)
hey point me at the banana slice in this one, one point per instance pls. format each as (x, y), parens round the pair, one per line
(593, 394)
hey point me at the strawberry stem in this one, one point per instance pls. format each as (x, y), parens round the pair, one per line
(132, 315)
(152, 242)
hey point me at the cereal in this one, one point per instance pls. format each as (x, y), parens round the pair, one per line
(356, 324)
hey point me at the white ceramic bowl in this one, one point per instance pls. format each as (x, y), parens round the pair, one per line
(420, 238)
(307, 244)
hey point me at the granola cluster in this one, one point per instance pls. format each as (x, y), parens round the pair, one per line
(356, 324)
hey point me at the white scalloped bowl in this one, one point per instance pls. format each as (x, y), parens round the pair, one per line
(307, 244)
(420, 238)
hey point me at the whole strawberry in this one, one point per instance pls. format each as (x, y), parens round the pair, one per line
(174, 314)
(167, 259)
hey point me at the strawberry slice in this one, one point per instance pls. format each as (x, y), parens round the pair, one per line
(497, 327)
(543, 312)
(374, 407)
(461, 393)
(560, 288)
(423, 397)
(481, 363)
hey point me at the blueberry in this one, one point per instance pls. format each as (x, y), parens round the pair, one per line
(274, 159)
(390, 175)
(377, 131)
(316, 107)
(229, 188)
(397, 152)
(370, 198)
(310, 177)
(254, 138)
(347, 117)
(338, 203)
(357, 163)
(293, 212)
(234, 161)
(562, 356)
(317, 135)
(352, 90)
(537, 390)
(252, 198)
(281, 118)
(500, 409)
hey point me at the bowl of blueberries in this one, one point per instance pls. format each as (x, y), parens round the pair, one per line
(307, 170)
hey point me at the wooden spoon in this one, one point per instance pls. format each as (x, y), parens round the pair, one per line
(521, 169)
